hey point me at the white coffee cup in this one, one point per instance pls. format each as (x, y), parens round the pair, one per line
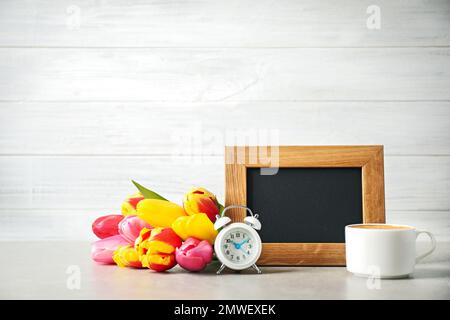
(383, 250)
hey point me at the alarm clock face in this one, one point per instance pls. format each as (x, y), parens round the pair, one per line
(240, 246)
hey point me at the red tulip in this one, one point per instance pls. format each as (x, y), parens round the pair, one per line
(156, 248)
(107, 226)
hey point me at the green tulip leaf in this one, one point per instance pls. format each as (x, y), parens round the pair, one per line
(221, 207)
(147, 193)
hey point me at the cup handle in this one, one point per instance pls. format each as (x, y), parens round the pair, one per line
(433, 244)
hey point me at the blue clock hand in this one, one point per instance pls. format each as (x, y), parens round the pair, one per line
(239, 245)
(244, 241)
(242, 248)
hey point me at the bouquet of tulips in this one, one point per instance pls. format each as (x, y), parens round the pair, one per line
(155, 233)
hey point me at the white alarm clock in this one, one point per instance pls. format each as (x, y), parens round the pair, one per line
(238, 246)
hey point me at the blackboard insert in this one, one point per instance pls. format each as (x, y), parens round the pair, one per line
(305, 204)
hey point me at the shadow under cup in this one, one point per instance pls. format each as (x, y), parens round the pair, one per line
(383, 250)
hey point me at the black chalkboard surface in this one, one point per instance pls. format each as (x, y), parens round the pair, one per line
(305, 205)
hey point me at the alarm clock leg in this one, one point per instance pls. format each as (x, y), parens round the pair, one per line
(220, 269)
(256, 268)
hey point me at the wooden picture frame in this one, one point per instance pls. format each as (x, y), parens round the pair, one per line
(369, 158)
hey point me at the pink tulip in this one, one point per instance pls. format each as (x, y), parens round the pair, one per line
(107, 226)
(194, 255)
(131, 226)
(103, 250)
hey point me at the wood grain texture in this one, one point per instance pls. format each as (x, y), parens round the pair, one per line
(302, 254)
(429, 177)
(216, 23)
(437, 222)
(43, 74)
(373, 188)
(235, 175)
(130, 128)
(75, 224)
(48, 225)
(149, 89)
(310, 156)
(86, 182)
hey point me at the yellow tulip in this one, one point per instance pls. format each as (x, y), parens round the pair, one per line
(130, 203)
(127, 256)
(159, 213)
(197, 226)
(200, 200)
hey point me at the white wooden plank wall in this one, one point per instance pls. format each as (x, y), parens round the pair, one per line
(93, 93)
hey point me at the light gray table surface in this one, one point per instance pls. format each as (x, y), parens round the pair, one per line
(42, 270)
